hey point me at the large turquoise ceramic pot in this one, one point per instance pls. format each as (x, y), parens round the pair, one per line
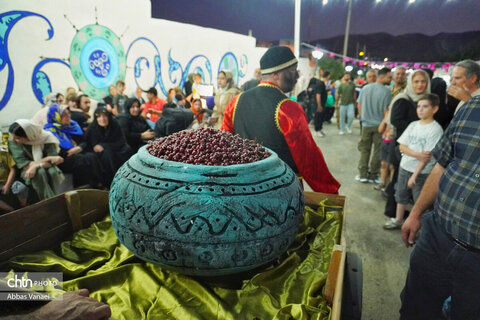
(206, 220)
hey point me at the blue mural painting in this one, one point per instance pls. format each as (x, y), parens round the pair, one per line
(41, 84)
(7, 21)
(229, 63)
(243, 68)
(97, 60)
(157, 64)
(176, 73)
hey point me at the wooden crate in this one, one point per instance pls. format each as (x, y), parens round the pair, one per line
(333, 291)
(47, 223)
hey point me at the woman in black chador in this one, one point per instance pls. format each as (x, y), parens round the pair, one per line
(106, 140)
(135, 127)
(85, 167)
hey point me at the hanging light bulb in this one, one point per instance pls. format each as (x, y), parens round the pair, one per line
(317, 54)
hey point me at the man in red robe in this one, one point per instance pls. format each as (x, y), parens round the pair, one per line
(266, 115)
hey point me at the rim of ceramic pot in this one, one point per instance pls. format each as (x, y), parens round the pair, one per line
(272, 160)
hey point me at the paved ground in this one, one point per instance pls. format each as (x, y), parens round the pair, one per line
(385, 258)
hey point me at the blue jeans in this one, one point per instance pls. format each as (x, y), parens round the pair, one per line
(347, 111)
(440, 268)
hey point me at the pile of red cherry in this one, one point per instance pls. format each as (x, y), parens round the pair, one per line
(207, 146)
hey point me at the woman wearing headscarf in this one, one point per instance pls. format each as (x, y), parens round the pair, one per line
(106, 140)
(443, 116)
(403, 110)
(404, 106)
(35, 152)
(226, 91)
(136, 129)
(197, 110)
(85, 168)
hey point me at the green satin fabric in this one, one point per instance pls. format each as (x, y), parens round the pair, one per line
(291, 287)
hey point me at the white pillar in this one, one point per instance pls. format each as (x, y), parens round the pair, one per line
(296, 39)
(347, 29)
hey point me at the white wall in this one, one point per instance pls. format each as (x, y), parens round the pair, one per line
(26, 45)
(305, 69)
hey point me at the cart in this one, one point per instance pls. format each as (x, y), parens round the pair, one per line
(47, 223)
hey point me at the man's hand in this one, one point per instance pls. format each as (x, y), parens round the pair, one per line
(412, 181)
(459, 93)
(148, 134)
(319, 109)
(424, 156)
(98, 148)
(73, 151)
(424, 202)
(410, 229)
(74, 305)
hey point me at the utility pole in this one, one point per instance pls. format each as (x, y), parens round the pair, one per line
(296, 39)
(347, 30)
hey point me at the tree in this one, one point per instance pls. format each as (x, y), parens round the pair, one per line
(335, 68)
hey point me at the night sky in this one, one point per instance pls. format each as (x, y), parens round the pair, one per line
(272, 20)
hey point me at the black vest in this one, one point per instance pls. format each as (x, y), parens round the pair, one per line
(255, 117)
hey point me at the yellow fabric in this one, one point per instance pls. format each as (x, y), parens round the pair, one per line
(289, 288)
(6, 163)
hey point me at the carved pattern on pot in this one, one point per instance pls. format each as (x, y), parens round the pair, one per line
(206, 220)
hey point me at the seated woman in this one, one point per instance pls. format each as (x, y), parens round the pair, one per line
(197, 110)
(105, 139)
(35, 152)
(85, 167)
(198, 113)
(136, 129)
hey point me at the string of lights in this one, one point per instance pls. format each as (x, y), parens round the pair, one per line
(320, 53)
(363, 60)
(325, 2)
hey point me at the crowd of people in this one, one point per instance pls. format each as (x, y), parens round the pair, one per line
(418, 144)
(91, 146)
(393, 110)
(67, 137)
